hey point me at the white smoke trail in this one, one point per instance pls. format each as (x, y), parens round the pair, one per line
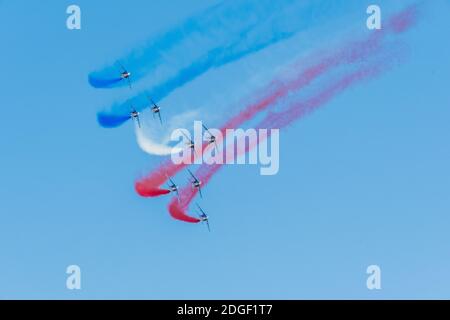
(154, 139)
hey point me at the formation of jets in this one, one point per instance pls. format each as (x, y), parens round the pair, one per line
(156, 111)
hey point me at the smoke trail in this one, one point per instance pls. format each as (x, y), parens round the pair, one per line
(351, 53)
(179, 214)
(276, 24)
(98, 82)
(299, 109)
(295, 111)
(154, 180)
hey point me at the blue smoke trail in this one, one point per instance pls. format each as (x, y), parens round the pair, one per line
(111, 121)
(215, 26)
(280, 25)
(103, 83)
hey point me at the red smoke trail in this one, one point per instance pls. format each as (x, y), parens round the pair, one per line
(179, 213)
(404, 20)
(352, 53)
(177, 207)
(150, 185)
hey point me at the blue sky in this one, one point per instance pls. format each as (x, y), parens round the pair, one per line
(362, 181)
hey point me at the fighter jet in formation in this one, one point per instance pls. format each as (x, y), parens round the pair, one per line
(173, 187)
(190, 143)
(203, 216)
(211, 138)
(156, 109)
